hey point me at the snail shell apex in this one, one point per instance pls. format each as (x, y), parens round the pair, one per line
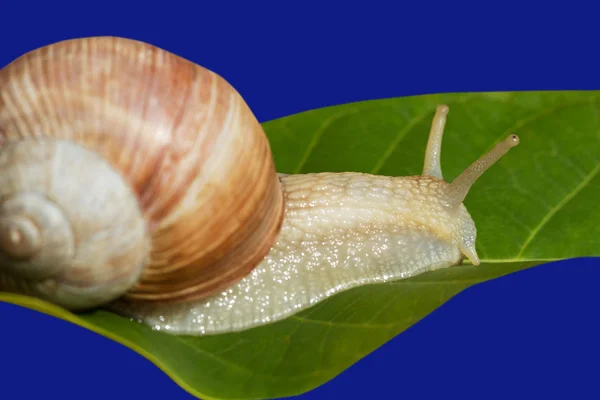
(78, 245)
(182, 140)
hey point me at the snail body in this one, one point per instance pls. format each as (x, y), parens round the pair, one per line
(177, 217)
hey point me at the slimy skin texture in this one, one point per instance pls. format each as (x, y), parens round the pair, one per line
(341, 230)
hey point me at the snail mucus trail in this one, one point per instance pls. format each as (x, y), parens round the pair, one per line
(135, 180)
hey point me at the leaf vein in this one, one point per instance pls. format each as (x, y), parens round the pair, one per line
(319, 133)
(398, 139)
(559, 206)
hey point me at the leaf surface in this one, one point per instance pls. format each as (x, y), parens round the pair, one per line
(534, 206)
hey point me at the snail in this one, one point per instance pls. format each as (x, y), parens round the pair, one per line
(134, 180)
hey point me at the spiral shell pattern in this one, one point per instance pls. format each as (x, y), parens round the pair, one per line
(181, 137)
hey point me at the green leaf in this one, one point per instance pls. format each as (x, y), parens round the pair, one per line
(532, 207)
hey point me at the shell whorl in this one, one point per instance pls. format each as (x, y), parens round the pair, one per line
(183, 140)
(76, 256)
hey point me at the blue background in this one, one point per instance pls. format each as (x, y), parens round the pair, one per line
(528, 335)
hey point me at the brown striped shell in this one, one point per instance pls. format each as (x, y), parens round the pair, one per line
(186, 146)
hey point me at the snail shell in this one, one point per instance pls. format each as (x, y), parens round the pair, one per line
(135, 180)
(128, 171)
